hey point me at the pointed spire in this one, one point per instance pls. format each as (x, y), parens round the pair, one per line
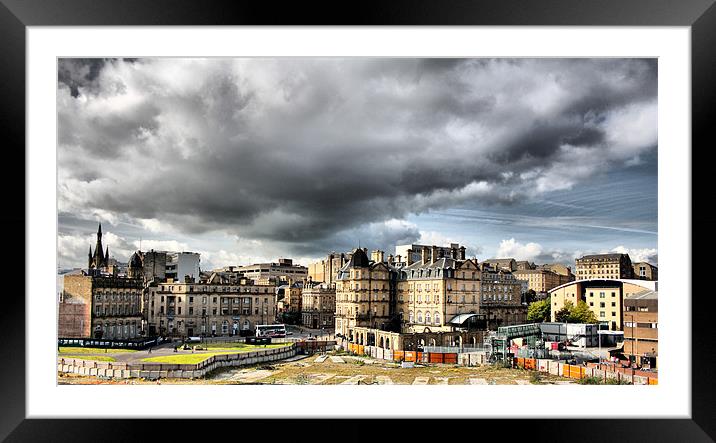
(106, 256)
(90, 251)
(99, 231)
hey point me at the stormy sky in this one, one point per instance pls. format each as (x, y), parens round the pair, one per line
(252, 159)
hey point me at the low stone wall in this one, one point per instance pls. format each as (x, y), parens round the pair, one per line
(165, 370)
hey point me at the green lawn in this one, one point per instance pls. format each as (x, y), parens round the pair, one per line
(181, 358)
(75, 351)
(91, 357)
(243, 346)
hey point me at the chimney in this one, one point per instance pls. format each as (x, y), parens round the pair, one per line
(433, 254)
(377, 256)
(462, 253)
(453, 251)
(424, 254)
(397, 258)
(409, 257)
(390, 259)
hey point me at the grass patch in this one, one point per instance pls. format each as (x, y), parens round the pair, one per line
(181, 358)
(91, 357)
(243, 346)
(75, 351)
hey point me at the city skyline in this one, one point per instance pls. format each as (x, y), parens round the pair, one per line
(249, 160)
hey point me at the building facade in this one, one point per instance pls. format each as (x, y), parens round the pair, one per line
(433, 291)
(641, 327)
(501, 298)
(180, 265)
(112, 307)
(284, 270)
(645, 271)
(183, 309)
(326, 270)
(424, 295)
(318, 305)
(610, 266)
(605, 297)
(539, 280)
(365, 294)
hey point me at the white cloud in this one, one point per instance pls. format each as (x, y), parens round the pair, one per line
(639, 254)
(512, 248)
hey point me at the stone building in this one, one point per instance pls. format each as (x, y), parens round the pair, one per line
(505, 264)
(614, 266)
(100, 306)
(645, 271)
(641, 327)
(424, 296)
(211, 307)
(539, 280)
(501, 298)
(414, 253)
(365, 295)
(327, 269)
(605, 297)
(318, 305)
(434, 290)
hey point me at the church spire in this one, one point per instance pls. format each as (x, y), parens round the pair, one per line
(106, 256)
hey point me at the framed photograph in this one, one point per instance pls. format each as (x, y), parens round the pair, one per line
(254, 213)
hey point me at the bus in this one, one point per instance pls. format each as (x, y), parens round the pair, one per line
(271, 330)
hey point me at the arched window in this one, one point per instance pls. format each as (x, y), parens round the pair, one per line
(410, 317)
(437, 318)
(420, 317)
(427, 317)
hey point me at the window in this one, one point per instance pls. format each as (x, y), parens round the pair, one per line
(614, 314)
(614, 303)
(179, 310)
(601, 295)
(191, 310)
(191, 299)
(410, 318)
(203, 300)
(591, 303)
(213, 311)
(437, 318)
(601, 314)
(601, 304)
(420, 317)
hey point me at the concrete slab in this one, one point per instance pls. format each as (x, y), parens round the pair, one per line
(336, 359)
(321, 358)
(478, 381)
(383, 380)
(317, 379)
(354, 380)
(442, 380)
(421, 380)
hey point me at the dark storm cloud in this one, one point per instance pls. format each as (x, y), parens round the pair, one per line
(305, 152)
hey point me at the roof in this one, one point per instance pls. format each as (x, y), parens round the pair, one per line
(359, 259)
(605, 256)
(646, 284)
(462, 318)
(644, 295)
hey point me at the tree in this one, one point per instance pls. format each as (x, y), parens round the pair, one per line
(564, 314)
(530, 296)
(582, 314)
(539, 311)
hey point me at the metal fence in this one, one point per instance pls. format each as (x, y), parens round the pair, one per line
(454, 349)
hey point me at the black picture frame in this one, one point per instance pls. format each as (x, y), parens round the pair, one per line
(16, 15)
